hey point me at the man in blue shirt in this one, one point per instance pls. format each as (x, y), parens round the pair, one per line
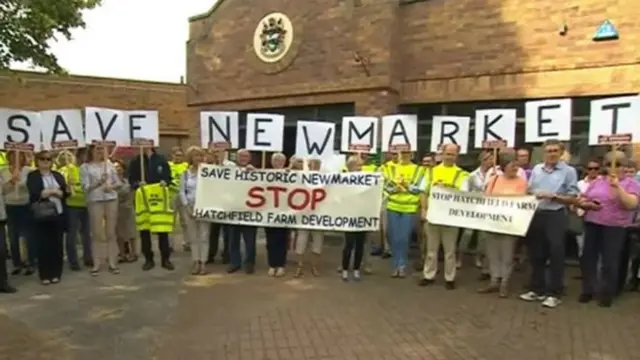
(556, 185)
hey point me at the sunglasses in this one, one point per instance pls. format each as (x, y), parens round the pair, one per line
(593, 168)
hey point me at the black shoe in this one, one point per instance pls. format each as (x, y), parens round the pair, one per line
(29, 271)
(16, 271)
(8, 289)
(232, 269)
(385, 255)
(585, 298)
(426, 282)
(225, 261)
(605, 302)
(148, 265)
(484, 277)
(249, 269)
(88, 263)
(167, 264)
(450, 285)
(74, 267)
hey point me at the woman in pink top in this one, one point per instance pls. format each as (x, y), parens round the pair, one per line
(500, 247)
(609, 202)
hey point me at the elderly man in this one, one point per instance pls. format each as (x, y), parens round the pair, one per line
(447, 174)
(556, 184)
(243, 232)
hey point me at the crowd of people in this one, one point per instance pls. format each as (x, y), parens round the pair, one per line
(89, 200)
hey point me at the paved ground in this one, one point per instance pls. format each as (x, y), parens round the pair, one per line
(170, 316)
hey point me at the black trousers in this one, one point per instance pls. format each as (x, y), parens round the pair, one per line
(353, 244)
(49, 242)
(276, 246)
(214, 240)
(546, 241)
(163, 245)
(628, 254)
(605, 243)
(4, 278)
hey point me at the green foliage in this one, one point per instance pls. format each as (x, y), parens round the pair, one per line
(27, 26)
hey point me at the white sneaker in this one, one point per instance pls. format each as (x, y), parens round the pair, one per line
(551, 302)
(280, 272)
(531, 296)
(272, 272)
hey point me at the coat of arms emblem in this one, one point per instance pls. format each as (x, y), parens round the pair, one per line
(273, 37)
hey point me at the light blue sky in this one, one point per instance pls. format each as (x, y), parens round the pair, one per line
(134, 39)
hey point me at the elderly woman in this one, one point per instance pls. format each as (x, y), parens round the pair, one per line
(353, 240)
(48, 191)
(305, 236)
(277, 236)
(500, 247)
(610, 202)
(16, 197)
(100, 182)
(197, 231)
(126, 228)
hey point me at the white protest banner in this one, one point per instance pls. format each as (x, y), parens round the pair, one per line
(547, 119)
(499, 214)
(359, 134)
(399, 133)
(220, 129)
(106, 125)
(264, 132)
(142, 128)
(20, 130)
(614, 118)
(62, 129)
(315, 139)
(450, 130)
(493, 125)
(296, 199)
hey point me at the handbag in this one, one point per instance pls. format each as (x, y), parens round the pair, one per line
(43, 210)
(575, 223)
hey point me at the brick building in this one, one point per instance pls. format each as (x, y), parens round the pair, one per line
(374, 57)
(429, 57)
(35, 91)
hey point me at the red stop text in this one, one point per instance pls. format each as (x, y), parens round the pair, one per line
(293, 198)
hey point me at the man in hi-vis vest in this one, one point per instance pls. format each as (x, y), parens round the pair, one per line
(402, 206)
(446, 174)
(153, 205)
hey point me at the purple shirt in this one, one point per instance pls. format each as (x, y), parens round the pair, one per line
(612, 212)
(527, 172)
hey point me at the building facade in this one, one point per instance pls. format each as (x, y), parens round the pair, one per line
(325, 59)
(35, 91)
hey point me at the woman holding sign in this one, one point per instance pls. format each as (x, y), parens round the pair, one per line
(353, 240)
(100, 182)
(500, 247)
(304, 236)
(197, 231)
(277, 236)
(16, 197)
(610, 203)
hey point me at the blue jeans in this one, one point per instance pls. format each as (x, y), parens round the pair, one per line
(78, 218)
(400, 226)
(248, 233)
(19, 225)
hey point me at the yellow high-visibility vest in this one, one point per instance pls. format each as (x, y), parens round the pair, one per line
(176, 174)
(451, 176)
(71, 173)
(153, 208)
(404, 201)
(3, 160)
(369, 168)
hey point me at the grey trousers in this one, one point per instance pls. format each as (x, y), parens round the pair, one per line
(499, 250)
(545, 241)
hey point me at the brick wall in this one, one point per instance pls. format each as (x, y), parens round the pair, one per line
(32, 91)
